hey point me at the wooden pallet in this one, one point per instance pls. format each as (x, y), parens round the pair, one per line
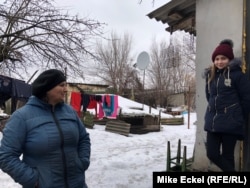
(119, 127)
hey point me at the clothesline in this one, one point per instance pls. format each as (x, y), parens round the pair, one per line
(105, 105)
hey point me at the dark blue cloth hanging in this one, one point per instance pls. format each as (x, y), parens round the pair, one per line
(14, 89)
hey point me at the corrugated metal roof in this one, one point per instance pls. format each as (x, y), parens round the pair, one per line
(178, 14)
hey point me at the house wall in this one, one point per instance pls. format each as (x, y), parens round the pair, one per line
(176, 99)
(246, 145)
(215, 21)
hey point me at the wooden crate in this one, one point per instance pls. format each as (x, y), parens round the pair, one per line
(142, 124)
(173, 121)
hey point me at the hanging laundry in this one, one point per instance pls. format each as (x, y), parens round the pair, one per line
(116, 106)
(21, 90)
(108, 105)
(15, 89)
(85, 101)
(76, 101)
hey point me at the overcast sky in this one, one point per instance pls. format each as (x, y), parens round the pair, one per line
(124, 16)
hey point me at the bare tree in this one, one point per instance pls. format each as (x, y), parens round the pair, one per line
(34, 33)
(172, 69)
(157, 71)
(189, 51)
(115, 63)
(140, 2)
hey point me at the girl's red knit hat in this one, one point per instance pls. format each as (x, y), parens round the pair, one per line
(224, 48)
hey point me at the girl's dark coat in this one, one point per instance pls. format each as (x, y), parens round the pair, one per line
(228, 104)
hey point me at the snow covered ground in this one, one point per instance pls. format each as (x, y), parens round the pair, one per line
(119, 161)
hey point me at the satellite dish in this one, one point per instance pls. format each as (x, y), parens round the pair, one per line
(142, 60)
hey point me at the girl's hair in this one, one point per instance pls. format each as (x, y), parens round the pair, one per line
(212, 72)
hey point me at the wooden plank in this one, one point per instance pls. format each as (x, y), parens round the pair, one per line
(118, 127)
(172, 121)
(117, 131)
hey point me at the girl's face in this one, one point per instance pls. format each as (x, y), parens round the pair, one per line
(57, 94)
(221, 61)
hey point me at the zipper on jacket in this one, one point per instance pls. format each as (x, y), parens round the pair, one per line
(62, 148)
(215, 104)
(225, 110)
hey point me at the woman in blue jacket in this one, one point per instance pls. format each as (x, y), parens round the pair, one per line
(228, 96)
(44, 143)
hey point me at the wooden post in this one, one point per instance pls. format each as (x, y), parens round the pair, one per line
(143, 97)
(159, 122)
(189, 104)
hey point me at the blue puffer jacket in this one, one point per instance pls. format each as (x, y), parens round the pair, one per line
(228, 97)
(54, 145)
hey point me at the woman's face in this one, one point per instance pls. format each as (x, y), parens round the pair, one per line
(221, 61)
(57, 94)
